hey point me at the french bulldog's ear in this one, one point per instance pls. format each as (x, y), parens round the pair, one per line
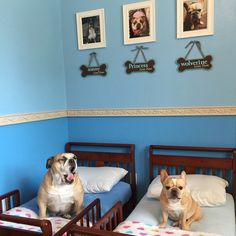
(49, 162)
(163, 175)
(183, 175)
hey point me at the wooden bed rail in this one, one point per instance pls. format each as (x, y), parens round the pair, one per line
(103, 226)
(86, 218)
(111, 219)
(9, 200)
(83, 231)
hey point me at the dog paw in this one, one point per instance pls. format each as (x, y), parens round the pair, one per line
(185, 227)
(162, 225)
(67, 216)
(175, 224)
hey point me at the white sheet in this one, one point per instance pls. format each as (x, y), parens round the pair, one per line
(220, 220)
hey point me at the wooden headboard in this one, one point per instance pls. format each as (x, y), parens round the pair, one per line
(195, 160)
(107, 154)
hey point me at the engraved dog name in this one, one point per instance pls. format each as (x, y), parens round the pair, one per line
(93, 70)
(189, 64)
(146, 66)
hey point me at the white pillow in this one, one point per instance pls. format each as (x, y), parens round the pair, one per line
(100, 179)
(207, 190)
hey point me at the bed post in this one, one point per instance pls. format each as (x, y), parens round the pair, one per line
(234, 175)
(133, 178)
(150, 163)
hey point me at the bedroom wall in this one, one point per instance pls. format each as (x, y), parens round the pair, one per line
(166, 88)
(31, 80)
(34, 79)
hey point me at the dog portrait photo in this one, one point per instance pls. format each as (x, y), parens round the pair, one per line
(139, 23)
(194, 18)
(176, 201)
(91, 29)
(61, 192)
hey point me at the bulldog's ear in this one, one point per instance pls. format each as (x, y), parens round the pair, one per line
(49, 162)
(163, 175)
(183, 175)
(186, 6)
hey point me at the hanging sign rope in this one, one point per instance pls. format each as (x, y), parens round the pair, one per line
(146, 66)
(202, 63)
(93, 70)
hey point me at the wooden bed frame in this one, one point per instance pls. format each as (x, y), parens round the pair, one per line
(108, 154)
(194, 160)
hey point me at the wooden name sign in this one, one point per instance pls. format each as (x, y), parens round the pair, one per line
(203, 63)
(146, 66)
(140, 67)
(93, 70)
(189, 64)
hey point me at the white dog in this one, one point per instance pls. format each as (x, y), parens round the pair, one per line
(91, 34)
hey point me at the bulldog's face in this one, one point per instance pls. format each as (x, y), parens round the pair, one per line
(173, 187)
(194, 11)
(63, 165)
(139, 23)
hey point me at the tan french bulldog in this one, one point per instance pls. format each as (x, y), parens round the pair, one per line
(177, 203)
(61, 192)
(193, 17)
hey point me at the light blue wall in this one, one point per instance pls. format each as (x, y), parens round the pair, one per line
(31, 57)
(31, 80)
(164, 88)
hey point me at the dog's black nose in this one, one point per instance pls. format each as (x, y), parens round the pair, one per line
(174, 192)
(138, 26)
(71, 161)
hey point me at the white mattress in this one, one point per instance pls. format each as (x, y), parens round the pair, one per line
(220, 220)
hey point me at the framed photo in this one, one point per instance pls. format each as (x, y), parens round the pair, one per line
(91, 29)
(195, 18)
(139, 22)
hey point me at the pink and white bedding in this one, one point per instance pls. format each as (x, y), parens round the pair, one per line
(57, 222)
(141, 229)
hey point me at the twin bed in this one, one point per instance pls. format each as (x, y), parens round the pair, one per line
(218, 219)
(205, 163)
(89, 155)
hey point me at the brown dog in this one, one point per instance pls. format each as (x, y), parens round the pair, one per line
(194, 12)
(61, 192)
(177, 203)
(139, 24)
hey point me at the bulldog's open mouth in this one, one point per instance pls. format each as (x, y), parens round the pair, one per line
(69, 179)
